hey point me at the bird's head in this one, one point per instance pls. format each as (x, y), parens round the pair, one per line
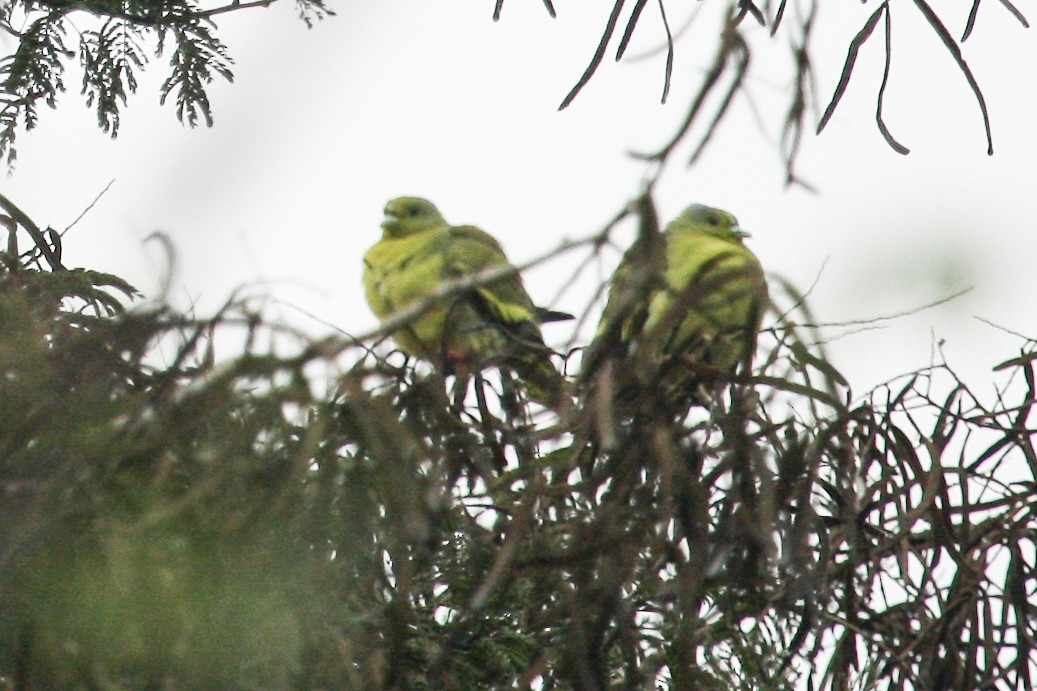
(410, 215)
(711, 221)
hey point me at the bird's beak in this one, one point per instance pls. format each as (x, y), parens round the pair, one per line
(390, 219)
(741, 232)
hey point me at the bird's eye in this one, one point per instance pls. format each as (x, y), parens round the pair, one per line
(713, 220)
(413, 211)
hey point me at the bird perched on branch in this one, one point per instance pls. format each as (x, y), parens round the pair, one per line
(690, 311)
(490, 324)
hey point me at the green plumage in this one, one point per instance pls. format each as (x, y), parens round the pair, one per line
(493, 324)
(694, 308)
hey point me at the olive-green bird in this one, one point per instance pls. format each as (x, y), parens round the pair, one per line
(492, 324)
(694, 311)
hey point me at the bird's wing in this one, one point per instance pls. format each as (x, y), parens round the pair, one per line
(714, 299)
(505, 305)
(636, 280)
(504, 301)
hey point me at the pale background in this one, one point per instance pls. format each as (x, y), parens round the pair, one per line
(322, 126)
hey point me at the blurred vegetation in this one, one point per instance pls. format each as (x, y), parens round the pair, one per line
(317, 515)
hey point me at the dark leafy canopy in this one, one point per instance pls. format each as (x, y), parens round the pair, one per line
(169, 522)
(114, 41)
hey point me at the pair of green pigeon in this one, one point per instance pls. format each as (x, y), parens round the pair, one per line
(694, 311)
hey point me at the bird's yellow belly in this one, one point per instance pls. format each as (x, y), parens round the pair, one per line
(400, 275)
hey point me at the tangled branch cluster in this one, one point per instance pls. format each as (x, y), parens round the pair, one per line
(290, 521)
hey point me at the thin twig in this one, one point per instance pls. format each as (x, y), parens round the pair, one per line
(90, 206)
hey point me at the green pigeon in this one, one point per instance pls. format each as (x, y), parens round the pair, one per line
(494, 324)
(691, 314)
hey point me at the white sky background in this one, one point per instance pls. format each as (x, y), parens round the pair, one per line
(323, 126)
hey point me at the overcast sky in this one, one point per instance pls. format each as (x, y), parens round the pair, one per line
(415, 97)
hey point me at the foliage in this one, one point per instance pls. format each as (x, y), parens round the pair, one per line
(328, 517)
(726, 76)
(115, 41)
(301, 514)
(123, 34)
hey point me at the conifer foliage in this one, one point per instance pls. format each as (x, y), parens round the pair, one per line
(114, 41)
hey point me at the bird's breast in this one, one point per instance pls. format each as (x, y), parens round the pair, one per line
(400, 271)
